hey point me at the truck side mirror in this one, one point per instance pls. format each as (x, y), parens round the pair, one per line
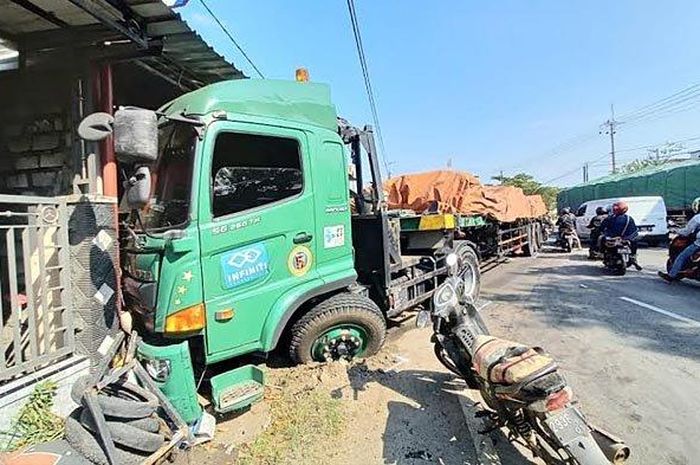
(135, 132)
(96, 127)
(138, 188)
(135, 135)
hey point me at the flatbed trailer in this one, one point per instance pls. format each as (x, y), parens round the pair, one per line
(492, 241)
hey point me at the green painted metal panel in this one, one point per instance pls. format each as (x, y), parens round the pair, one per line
(179, 386)
(471, 221)
(288, 101)
(249, 259)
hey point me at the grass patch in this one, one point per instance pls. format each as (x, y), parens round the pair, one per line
(302, 430)
(35, 423)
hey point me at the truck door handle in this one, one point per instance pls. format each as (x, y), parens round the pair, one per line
(302, 238)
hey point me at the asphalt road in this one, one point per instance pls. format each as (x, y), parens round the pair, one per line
(629, 346)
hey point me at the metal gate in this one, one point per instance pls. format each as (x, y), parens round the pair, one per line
(36, 328)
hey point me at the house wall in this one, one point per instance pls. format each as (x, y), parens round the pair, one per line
(37, 140)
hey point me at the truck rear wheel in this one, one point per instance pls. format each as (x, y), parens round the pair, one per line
(344, 326)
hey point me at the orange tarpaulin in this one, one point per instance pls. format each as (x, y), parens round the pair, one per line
(460, 192)
(537, 206)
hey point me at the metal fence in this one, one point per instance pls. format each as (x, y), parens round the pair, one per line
(36, 328)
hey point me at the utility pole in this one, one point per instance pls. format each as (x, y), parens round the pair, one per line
(609, 127)
(501, 176)
(585, 172)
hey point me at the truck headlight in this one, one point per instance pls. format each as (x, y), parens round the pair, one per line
(157, 369)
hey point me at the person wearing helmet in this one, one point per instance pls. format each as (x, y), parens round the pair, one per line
(566, 220)
(692, 228)
(620, 224)
(595, 225)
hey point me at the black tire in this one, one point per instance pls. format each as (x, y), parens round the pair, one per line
(89, 447)
(344, 308)
(124, 400)
(469, 260)
(126, 433)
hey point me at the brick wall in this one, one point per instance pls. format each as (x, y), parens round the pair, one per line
(36, 140)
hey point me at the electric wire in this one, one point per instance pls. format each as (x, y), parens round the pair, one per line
(368, 83)
(230, 36)
(688, 93)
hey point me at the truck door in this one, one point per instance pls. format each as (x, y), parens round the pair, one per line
(256, 229)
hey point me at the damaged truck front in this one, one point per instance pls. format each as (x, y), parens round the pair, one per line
(242, 233)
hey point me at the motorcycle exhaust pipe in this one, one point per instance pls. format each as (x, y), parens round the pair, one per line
(613, 447)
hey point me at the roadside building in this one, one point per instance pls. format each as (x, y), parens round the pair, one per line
(59, 61)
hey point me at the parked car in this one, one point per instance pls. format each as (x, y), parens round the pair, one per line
(649, 214)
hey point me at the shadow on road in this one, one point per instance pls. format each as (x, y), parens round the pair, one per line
(578, 293)
(429, 427)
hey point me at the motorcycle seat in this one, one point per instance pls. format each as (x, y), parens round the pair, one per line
(509, 363)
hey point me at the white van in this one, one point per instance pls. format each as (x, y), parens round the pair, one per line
(649, 214)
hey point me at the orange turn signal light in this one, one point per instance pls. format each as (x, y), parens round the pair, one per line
(302, 75)
(187, 320)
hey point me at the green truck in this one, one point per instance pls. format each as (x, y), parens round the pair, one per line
(244, 234)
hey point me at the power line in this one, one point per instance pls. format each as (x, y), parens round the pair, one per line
(368, 84)
(559, 149)
(681, 96)
(228, 34)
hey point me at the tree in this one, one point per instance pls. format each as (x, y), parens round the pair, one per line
(530, 186)
(640, 164)
(657, 157)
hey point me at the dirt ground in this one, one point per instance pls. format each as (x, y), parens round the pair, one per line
(398, 407)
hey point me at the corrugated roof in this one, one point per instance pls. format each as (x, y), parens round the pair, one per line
(175, 51)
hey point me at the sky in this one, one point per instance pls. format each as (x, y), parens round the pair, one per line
(512, 85)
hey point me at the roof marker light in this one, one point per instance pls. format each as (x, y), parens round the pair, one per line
(302, 75)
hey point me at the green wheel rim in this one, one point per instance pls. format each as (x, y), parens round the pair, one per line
(344, 341)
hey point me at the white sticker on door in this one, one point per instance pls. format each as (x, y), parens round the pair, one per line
(333, 236)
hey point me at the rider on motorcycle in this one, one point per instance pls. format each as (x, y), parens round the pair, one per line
(693, 227)
(595, 225)
(620, 224)
(566, 220)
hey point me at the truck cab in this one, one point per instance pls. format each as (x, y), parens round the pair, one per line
(249, 216)
(252, 235)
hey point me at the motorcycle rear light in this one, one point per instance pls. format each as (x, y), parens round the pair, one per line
(559, 399)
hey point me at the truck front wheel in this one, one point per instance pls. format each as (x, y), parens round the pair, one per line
(343, 326)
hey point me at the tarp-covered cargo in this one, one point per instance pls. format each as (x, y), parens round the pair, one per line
(537, 206)
(460, 192)
(677, 183)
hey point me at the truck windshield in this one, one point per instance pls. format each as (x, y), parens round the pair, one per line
(172, 178)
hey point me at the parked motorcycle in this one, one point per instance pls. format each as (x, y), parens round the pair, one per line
(691, 270)
(616, 254)
(521, 385)
(566, 239)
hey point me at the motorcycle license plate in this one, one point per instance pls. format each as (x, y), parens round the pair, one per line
(567, 426)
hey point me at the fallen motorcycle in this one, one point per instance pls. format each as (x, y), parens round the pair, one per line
(521, 385)
(616, 255)
(691, 270)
